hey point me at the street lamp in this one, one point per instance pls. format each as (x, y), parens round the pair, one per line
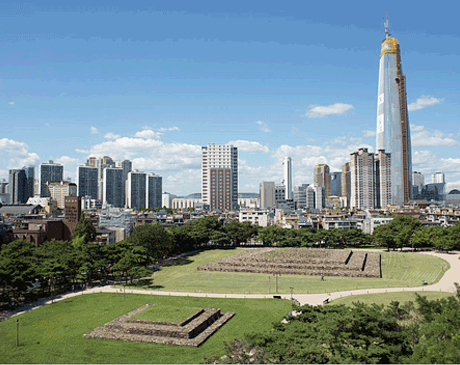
(291, 292)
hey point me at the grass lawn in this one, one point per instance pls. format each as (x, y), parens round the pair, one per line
(166, 313)
(386, 298)
(54, 333)
(399, 269)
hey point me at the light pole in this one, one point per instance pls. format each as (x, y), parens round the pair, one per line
(291, 292)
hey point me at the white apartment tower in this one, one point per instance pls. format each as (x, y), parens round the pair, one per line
(219, 176)
(287, 177)
(437, 178)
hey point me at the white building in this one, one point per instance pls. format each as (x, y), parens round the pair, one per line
(59, 190)
(267, 194)
(184, 203)
(166, 200)
(437, 178)
(287, 177)
(254, 216)
(219, 171)
(362, 179)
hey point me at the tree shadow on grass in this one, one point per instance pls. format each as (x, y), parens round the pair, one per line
(179, 262)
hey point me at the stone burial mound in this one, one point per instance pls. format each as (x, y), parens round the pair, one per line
(301, 261)
(192, 331)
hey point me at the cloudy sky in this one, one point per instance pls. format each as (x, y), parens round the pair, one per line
(154, 81)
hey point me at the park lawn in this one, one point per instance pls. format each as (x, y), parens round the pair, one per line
(54, 333)
(399, 269)
(387, 298)
(166, 313)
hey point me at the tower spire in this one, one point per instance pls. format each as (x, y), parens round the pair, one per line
(387, 32)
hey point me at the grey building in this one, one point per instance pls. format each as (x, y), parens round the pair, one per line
(154, 191)
(336, 183)
(49, 172)
(300, 196)
(87, 181)
(267, 194)
(18, 186)
(136, 189)
(30, 175)
(113, 186)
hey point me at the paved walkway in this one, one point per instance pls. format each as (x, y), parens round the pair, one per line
(446, 284)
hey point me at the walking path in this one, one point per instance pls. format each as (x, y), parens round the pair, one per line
(446, 284)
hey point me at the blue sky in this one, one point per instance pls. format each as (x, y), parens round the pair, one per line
(154, 81)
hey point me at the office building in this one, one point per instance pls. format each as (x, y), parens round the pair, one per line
(393, 132)
(280, 195)
(17, 186)
(49, 172)
(113, 186)
(322, 177)
(154, 191)
(267, 194)
(136, 189)
(336, 183)
(418, 182)
(287, 177)
(30, 175)
(382, 171)
(101, 163)
(87, 182)
(346, 182)
(219, 171)
(300, 196)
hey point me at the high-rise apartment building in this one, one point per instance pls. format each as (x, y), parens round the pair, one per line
(346, 182)
(437, 178)
(113, 186)
(267, 194)
(336, 183)
(136, 189)
(362, 180)
(101, 163)
(127, 167)
(49, 172)
(287, 177)
(154, 191)
(17, 186)
(219, 172)
(87, 181)
(300, 196)
(393, 132)
(418, 182)
(322, 177)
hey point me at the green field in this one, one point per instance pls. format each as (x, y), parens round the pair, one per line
(387, 298)
(398, 270)
(166, 313)
(54, 333)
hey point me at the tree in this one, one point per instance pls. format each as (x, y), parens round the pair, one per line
(17, 269)
(201, 230)
(270, 235)
(155, 239)
(85, 229)
(240, 232)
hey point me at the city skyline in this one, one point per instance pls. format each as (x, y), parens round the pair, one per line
(156, 96)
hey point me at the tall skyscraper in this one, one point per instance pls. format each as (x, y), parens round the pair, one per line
(393, 132)
(287, 177)
(418, 182)
(87, 181)
(154, 191)
(101, 163)
(49, 172)
(113, 186)
(136, 189)
(322, 177)
(267, 194)
(18, 187)
(219, 171)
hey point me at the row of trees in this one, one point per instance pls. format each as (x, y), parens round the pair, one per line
(427, 332)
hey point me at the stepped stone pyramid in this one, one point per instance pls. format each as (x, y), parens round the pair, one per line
(193, 331)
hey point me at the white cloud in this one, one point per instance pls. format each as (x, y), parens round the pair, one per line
(70, 166)
(111, 135)
(170, 129)
(250, 146)
(423, 102)
(78, 150)
(93, 130)
(318, 111)
(421, 137)
(15, 154)
(11, 103)
(263, 127)
(369, 133)
(148, 133)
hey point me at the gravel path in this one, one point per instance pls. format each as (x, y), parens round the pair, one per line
(446, 284)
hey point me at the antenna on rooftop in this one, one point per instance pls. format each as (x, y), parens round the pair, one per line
(387, 32)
